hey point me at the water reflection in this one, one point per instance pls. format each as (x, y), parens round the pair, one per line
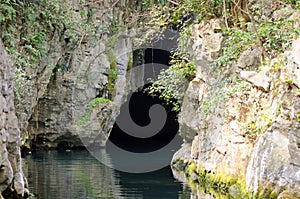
(77, 175)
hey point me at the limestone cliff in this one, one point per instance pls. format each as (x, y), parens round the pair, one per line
(239, 118)
(12, 180)
(72, 94)
(241, 125)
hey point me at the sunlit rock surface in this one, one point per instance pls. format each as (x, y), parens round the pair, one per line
(248, 130)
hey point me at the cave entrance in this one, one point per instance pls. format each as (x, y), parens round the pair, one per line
(139, 105)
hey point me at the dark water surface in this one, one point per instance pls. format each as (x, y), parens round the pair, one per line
(78, 175)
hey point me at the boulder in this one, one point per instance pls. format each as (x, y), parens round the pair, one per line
(250, 58)
(257, 79)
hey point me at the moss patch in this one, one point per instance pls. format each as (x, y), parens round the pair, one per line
(92, 105)
(223, 186)
(216, 184)
(112, 73)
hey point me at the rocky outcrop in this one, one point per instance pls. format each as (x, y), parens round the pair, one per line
(272, 163)
(12, 179)
(259, 80)
(294, 63)
(275, 159)
(242, 136)
(215, 142)
(62, 114)
(55, 99)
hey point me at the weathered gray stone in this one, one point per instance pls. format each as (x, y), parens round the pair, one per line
(19, 184)
(270, 161)
(10, 156)
(207, 46)
(183, 153)
(180, 160)
(5, 89)
(195, 147)
(65, 94)
(234, 191)
(224, 143)
(283, 13)
(250, 58)
(188, 117)
(237, 139)
(293, 67)
(294, 146)
(234, 126)
(259, 80)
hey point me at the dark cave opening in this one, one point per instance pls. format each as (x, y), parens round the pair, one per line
(139, 105)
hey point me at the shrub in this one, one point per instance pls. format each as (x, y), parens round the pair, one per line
(172, 82)
(92, 105)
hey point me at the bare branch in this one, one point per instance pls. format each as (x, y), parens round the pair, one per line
(175, 3)
(225, 13)
(255, 30)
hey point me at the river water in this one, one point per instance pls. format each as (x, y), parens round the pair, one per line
(78, 175)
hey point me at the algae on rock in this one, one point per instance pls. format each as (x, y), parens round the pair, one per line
(241, 125)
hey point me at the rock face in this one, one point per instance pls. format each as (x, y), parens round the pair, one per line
(294, 63)
(246, 130)
(214, 143)
(62, 114)
(275, 161)
(259, 80)
(10, 137)
(58, 106)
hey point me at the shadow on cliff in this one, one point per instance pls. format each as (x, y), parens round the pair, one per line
(139, 105)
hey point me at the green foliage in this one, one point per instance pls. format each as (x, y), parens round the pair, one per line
(92, 105)
(295, 3)
(26, 29)
(237, 41)
(95, 102)
(146, 4)
(170, 87)
(183, 63)
(112, 73)
(112, 77)
(239, 86)
(275, 38)
(215, 97)
(83, 119)
(190, 11)
(27, 44)
(184, 41)
(172, 82)
(166, 14)
(298, 118)
(115, 26)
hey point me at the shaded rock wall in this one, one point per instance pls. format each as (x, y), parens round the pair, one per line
(55, 107)
(62, 113)
(10, 137)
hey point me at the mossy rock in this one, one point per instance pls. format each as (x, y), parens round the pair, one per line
(217, 183)
(179, 165)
